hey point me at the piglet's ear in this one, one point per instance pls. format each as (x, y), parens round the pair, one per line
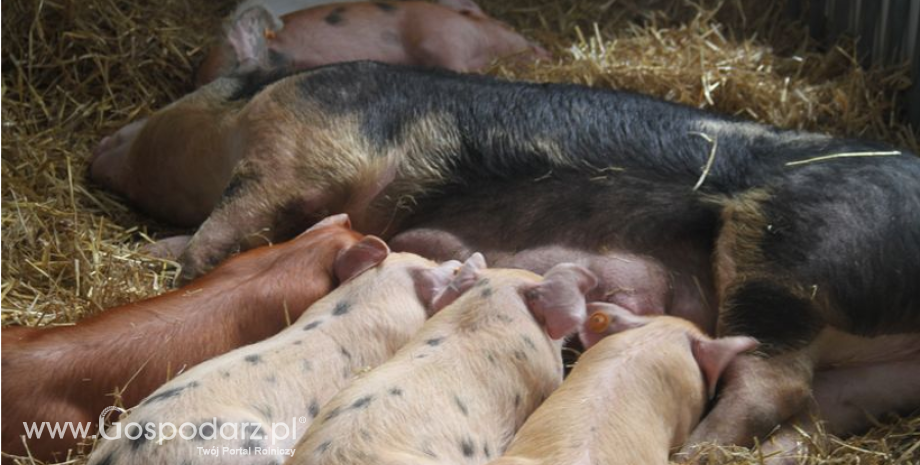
(247, 37)
(714, 355)
(364, 255)
(606, 318)
(465, 279)
(431, 282)
(335, 220)
(558, 302)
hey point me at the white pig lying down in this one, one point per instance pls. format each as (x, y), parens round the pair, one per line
(458, 391)
(253, 404)
(632, 398)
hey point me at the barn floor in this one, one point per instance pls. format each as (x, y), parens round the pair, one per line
(76, 70)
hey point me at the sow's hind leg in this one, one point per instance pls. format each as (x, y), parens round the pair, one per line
(834, 243)
(297, 166)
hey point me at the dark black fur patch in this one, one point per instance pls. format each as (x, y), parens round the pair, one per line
(396, 391)
(772, 314)
(312, 325)
(435, 341)
(254, 359)
(314, 408)
(345, 353)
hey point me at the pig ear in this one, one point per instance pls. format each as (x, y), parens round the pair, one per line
(364, 255)
(465, 279)
(335, 220)
(714, 355)
(558, 302)
(463, 5)
(607, 318)
(430, 282)
(247, 37)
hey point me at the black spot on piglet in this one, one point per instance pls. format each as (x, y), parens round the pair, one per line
(385, 7)
(362, 402)
(335, 16)
(466, 446)
(341, 308)
(312, 325)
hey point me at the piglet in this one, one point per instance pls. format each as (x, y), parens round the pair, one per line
(68, 373)
(464, 384)
(631, 398)
(270, 392)
(455, 35)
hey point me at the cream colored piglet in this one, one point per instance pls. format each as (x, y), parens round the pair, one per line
(466, 382)
(632, 397)
(250, 406)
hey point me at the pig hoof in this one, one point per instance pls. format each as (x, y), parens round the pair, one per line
(120, 141)
(167, 249)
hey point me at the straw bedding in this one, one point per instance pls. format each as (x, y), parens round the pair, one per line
(75, 71)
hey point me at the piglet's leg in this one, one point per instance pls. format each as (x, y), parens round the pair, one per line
(167, 249)
(250, 214)
(759, 394)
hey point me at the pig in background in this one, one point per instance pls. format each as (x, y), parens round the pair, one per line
(176, 164)
(458, 391)
(68, 373)
(293, 374)
(451, 34)
(632, 398)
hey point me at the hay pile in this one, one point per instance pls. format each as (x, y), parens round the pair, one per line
(75, 71)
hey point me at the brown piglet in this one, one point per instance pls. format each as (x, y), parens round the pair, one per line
(632, 398)
(68, 373)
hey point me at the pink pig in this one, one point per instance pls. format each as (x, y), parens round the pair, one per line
(465, 383)
(455, 35)
(632, 397)
(257, 392)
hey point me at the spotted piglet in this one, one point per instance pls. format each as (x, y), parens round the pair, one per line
(632, 397)
(253, 404)
(466, 382)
